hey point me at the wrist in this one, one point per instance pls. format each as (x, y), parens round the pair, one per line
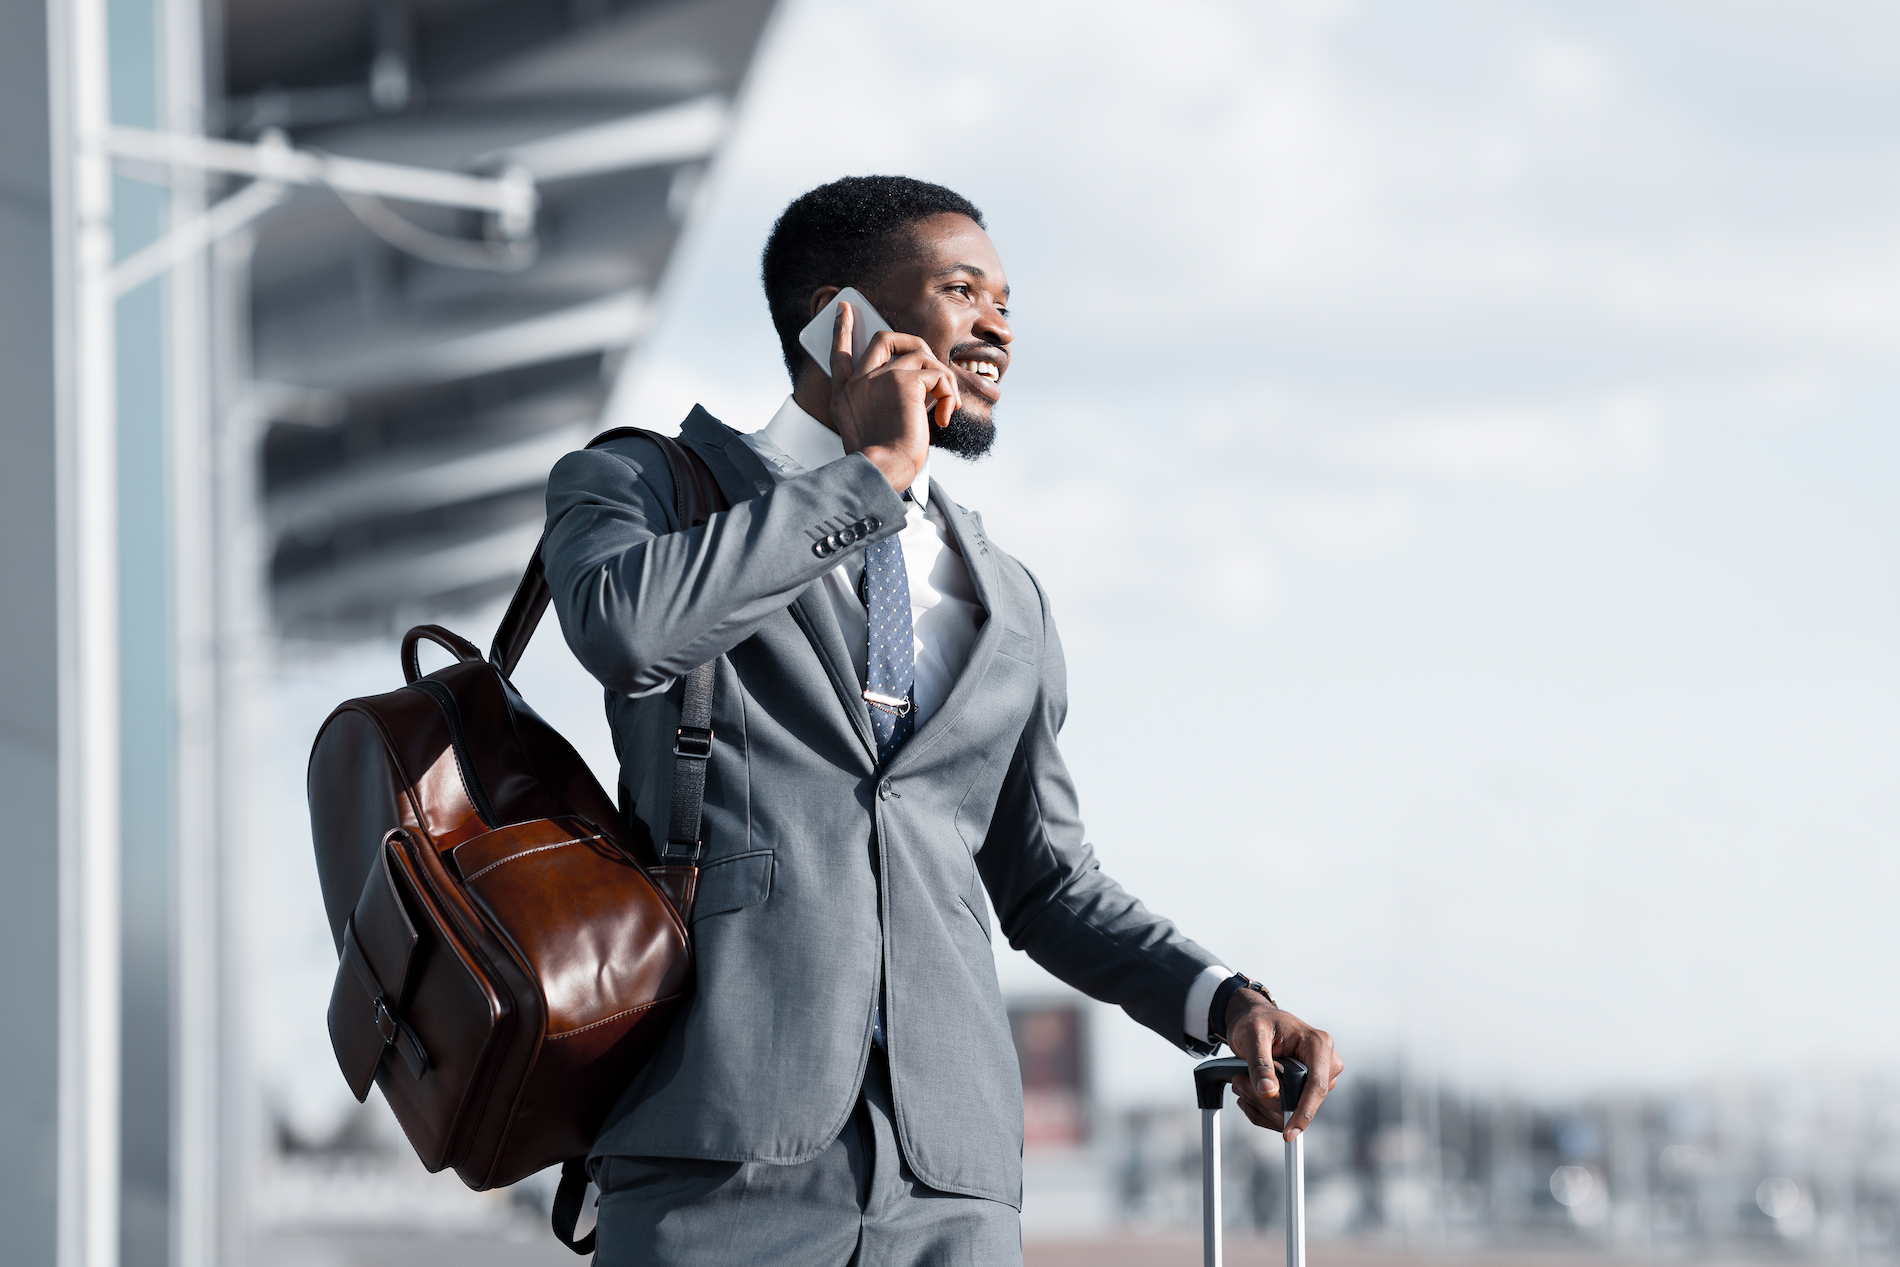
(898, 468)
(1231, 1001)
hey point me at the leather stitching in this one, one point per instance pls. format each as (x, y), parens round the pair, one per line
(568, 1033)
(527, 853)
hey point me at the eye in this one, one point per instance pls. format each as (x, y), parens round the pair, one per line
(962, 288)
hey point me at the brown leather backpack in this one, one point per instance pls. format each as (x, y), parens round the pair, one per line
(510, 953)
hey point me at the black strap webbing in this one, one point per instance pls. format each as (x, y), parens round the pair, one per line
(696, 496)
(692, 746)
(567, 1206)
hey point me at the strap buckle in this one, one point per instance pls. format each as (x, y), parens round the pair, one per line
(385, 1021)
(692, 742)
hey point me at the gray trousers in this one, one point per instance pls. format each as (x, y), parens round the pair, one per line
(856, 1204)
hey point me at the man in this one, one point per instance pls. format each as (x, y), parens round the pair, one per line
(888, 690)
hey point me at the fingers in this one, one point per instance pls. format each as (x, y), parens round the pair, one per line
(887, 347)
(942, 398)
(1263, 1113)
(892, 353)
(1316, 1050)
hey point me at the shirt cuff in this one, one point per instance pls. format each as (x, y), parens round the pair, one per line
(1200, 997)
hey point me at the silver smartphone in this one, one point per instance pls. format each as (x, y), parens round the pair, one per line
(815, 338)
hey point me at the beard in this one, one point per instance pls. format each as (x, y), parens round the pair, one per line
(967, 436)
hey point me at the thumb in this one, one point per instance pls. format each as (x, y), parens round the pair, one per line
(841, 345)
(1254, 1041)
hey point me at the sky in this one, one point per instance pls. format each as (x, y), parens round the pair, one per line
(1456, 441)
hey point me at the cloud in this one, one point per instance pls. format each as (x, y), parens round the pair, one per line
(1342, 527)
(1617, 439)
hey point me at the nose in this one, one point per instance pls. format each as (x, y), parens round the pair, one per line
(991, 327)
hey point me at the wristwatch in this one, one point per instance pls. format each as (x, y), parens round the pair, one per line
(1217, 1008)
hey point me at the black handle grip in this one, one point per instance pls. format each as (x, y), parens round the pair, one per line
(1292, 1082)
(1211, 1077)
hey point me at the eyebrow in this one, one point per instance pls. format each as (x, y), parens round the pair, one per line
(971, 269)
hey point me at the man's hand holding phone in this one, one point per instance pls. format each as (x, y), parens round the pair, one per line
(883, 403)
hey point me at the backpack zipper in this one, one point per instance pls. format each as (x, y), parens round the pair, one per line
(445, 698)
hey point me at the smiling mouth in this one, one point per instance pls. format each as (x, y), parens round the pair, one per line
(987, 370)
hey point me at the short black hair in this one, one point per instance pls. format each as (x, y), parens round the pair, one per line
(843, 234)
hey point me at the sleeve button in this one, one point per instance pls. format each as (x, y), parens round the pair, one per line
(818, 548)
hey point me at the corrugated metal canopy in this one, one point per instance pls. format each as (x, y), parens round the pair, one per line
(413, 406)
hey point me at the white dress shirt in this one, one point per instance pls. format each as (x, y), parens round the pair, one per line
(944, 611)
(1200, 998)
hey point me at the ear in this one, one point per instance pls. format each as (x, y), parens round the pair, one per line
(822, 296)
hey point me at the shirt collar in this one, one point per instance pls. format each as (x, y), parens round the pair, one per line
(810, 444)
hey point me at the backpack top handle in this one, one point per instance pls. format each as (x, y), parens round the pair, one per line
(450, 641)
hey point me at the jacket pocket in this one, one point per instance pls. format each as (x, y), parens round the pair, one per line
(732, 884)
(1018, 646)
(975, 903)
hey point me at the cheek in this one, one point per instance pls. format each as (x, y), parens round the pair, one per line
(949, 327)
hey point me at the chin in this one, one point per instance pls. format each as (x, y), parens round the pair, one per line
(969, 435)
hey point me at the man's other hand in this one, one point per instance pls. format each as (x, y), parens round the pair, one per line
(1259, 1031)
(883, 405)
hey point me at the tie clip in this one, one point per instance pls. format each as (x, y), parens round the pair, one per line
(889, 703)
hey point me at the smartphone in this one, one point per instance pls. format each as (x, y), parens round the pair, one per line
(815, 338)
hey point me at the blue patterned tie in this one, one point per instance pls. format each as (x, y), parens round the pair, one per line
(892, 660)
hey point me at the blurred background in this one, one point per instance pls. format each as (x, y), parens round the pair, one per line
(1500, 395)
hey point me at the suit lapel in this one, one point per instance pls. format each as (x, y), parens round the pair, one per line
(975, 549)
(742, 476)
(812, 610)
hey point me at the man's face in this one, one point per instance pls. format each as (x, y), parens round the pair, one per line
(950, 292)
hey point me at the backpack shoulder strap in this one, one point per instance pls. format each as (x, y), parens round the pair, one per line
(696, 497)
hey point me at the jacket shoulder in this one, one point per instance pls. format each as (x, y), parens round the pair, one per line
(616, 461)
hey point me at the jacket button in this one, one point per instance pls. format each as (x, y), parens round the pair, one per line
(884, 792)
(872, 523)
(848, 536)
(820, 549)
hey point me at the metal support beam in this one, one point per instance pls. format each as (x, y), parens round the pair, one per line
(88, 640)
(194, 234)
(201, 1069)
(509, 196)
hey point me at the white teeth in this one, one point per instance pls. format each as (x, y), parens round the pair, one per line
(982, 369)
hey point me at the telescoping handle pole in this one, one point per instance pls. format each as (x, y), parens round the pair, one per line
(1211, 1078)
(1292, 1084)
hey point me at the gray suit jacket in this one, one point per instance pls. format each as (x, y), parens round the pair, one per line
(823, 876)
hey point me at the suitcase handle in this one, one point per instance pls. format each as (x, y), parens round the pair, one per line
(1210, 1081)
(1211, 1078)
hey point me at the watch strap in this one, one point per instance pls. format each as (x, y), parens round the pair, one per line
(1223, 994)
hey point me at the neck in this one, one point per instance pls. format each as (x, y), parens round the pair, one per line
(813, 395)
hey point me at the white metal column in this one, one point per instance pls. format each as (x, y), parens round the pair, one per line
(197, 920)
(88, 639)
